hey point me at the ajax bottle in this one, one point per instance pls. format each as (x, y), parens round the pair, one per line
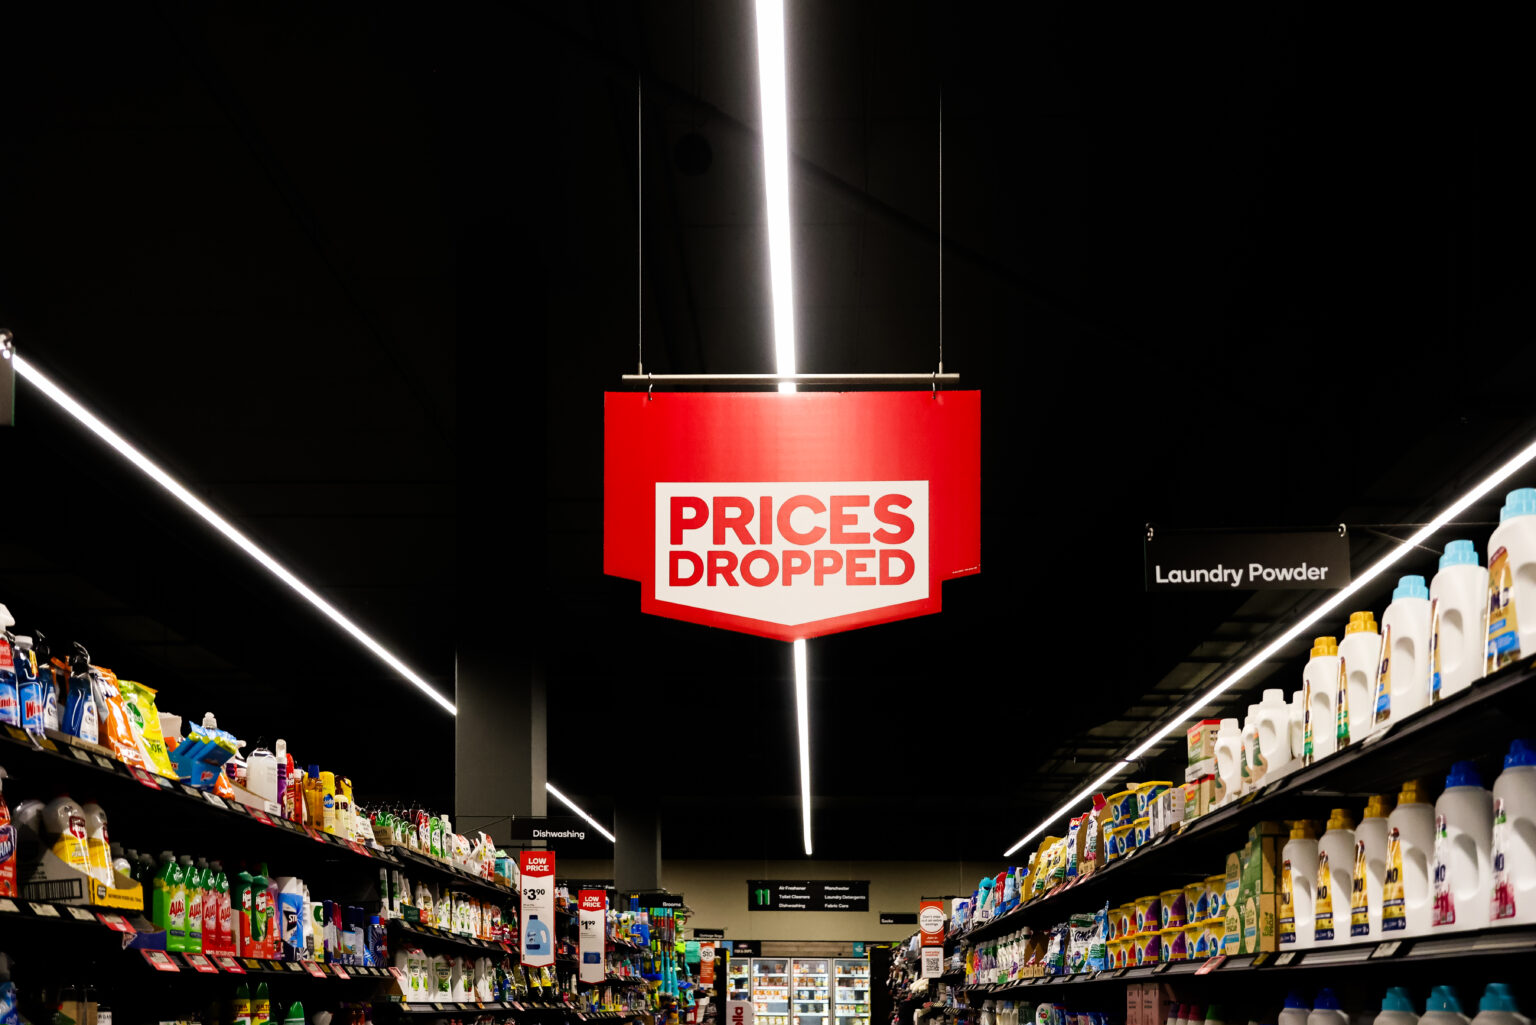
(1514, 837)
(1228, 762)
(1402, 677)
(1320, 680)
(1335, 873)
(194, 885)
(1325, 1010)
(1370, 868)
(1512, 581)
(1458, 596)
(1359, 656)
(1396, 1008)
(1406, 891)
(1498, 1007)
(1462, 874)
(1298, 882)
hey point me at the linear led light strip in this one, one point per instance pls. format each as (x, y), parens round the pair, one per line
(773, 95)
(577, 809)
(1386, 562)
(223, 526)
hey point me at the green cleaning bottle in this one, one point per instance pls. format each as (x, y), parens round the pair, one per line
(261, 1006)
(241, 1012)
(295, 1014)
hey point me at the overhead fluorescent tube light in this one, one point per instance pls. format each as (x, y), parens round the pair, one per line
(223, 526)
(1386, 562)
(577, 809)
(773, 98)
(803, 720)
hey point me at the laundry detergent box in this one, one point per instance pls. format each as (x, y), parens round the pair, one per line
(1232, 882)
(1202, 741)
(1259, 887)
(1199, 797)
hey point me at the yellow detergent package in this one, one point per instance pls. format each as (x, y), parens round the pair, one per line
(144, 717)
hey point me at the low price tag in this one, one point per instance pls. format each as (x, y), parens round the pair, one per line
(160, 961)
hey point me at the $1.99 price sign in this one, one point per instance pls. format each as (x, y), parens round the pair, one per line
(538, 907)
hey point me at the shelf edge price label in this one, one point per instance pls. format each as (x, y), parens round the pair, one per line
(200, 963)
(230, 965)
(44, 910)
(1211, 964)
(160, 961)
(1386, 949)
(8, 905)
(313, 968)
(261, 816)
(341, 972)
(81, 914)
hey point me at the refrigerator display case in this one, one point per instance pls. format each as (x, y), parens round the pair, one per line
(850, 991)
(810, 987)
(770, 990)
(738, 979)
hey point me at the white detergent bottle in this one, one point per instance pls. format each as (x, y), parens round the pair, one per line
(1326, 1011)
(1396, 1008)
(1335, 872)
(1273, 741)
(1359, 655)
(1443, 1008)
(1253, 763)
(1462, 872)
(1320, 679)
(1498, 1007)
(1406, 890)
(1458, 597)
(261, 773)
(1512, 581)
(1229, 742)
(1298, 881)
(1370, 868)
(1295, 1010)
(1402, 677)
(1513, 854)
(1298, 723)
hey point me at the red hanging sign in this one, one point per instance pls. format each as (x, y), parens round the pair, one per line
(792, 516)
(930, 922)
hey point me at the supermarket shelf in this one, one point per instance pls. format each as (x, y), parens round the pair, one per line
(1422, 745)
(419, 1007)
(442, 937)
(410, 859)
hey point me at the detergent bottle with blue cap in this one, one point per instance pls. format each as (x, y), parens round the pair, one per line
(1513, 853)
(1402, 676)
(1462, 876)
(1498, 1007)
(1457, 596)
(1443, 1008)
(1396, 1008)
(1512, 581)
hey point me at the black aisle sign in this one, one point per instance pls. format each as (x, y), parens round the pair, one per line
(658, 899)
(898, 918)
(807, 895)
(565, 834)
(743, 948)
(1294, 560)
(709, 934)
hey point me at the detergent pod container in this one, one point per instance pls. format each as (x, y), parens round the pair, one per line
(1273, 743)
(1326, 1010)
(1370, 870)
(1402, 676)
(1298, 884)
(1359, 657)
(1406, 892)
(1320, 680)
(1512, 581)
(1295, 1010)
(1514, 825)
(1335, 875)
(1443, 1008)
(1396, 1008)
(1498, 1007)
(1458, 596)
(1229, 762)
(1462, 874)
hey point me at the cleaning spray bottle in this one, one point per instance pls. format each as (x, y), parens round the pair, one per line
(1359, 655)
(1458, 597)
(1370, 868)
(261, 1006)
(243, 908)
(1512, 582)
(1402, 678)
(240, 1011)
(10, 693)
(80, 713)
(160, 894)
(7, 847)
(1462, 875)
(194, 887)
(45, 677)
(29, 688)
(1405, 892)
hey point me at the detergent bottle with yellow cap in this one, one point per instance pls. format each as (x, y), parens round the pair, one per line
(1320, 680)
(1512, 582)
(1457, 596)
(1370, 868)
(1298, 882)
(1335, 873)
(1359, 654)
(1402, 676)
(1405, 894)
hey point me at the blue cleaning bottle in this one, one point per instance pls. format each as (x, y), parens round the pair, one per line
(29, 688)
(80, 714)
(537, 941)
(10, 695)
(46, 682)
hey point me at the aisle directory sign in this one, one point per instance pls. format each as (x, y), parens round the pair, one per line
(792, 515)
(808, 895)
(537, 890)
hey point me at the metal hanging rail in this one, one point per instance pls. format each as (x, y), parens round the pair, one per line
(930, 378)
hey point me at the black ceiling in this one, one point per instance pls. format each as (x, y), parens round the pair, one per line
(359, 277)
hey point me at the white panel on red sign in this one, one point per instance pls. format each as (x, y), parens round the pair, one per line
(739, 1012)
(538, 906)
(592, 938)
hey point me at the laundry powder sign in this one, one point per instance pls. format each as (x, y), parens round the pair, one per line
(1289, 560)
(792, 516)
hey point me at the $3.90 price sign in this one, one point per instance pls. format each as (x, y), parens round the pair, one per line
(538, 908)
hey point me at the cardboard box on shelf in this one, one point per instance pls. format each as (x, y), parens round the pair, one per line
(1201, 739)
(1156, 1002)
(1199, 797)
(1259, 887)
(1133, 1004)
